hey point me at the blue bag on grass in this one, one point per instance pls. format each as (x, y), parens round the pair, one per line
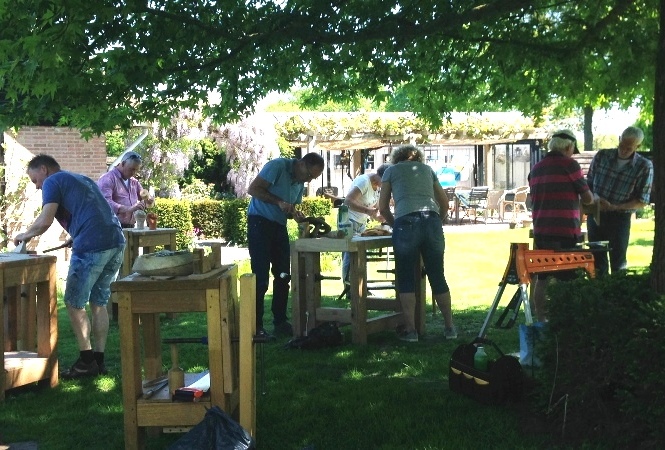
(529, 336)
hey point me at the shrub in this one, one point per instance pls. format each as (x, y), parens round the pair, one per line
(234, 221)
(606, 348)
(227, 219)
(208, 217)
(175, 214)
(315, 206)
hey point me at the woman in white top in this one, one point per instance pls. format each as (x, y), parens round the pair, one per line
(362, 200)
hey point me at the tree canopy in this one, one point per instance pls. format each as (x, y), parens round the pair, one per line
(99, 65)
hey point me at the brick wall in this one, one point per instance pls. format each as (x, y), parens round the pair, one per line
(68, 148)
(74, 154)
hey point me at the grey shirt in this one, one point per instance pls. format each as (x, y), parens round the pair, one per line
(412, 185)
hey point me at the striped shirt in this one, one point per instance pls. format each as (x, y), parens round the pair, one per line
(618, 184)
(556, 184)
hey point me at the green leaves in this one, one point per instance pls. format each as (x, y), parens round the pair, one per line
(98, 65)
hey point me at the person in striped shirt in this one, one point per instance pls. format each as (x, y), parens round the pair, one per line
(621, 179)
(557, 185)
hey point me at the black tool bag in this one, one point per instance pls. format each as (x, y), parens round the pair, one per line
(502, 382)
(325, 335)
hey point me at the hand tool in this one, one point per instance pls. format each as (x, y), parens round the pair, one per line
(68, 243)
(157, 387)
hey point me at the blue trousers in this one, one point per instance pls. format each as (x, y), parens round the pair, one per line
(415, 235)
(268, 244)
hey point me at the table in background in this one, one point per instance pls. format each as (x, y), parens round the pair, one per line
(213, 293)
(29, 284)
(141, 241)
(306, 289)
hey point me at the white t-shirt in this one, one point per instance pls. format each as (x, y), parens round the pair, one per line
(368, 197)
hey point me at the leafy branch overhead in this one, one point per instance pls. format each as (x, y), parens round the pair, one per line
(99, 65)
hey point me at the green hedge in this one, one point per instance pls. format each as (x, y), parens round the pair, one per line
(227, 219)
(605, 355)
(316, 206)
(175, 214)
(207, 218)
(234, 222)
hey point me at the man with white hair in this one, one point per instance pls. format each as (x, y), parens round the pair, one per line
(621, 178)
(557, 185)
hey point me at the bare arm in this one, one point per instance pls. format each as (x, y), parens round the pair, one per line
(258, 189)
(40, 225)
(353, 201)
(587, 198)
(630, 204)
(442, 199)
(384, 203)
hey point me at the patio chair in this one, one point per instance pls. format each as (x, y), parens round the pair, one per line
(514, 203)
(494, 197)
(450, 194)
(474, 202)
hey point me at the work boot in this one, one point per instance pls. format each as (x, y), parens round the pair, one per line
(80, 370)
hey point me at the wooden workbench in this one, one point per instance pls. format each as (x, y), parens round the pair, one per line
(144, 240)
(213, 293)
(140, 241)
(29, 284)
(307, 311)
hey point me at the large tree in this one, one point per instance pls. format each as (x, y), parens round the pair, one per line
(100, 64)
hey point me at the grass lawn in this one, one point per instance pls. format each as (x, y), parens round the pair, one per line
(386, 395)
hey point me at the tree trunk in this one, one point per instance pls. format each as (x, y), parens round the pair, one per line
(3, 187)
(658, 259)
(588, 128)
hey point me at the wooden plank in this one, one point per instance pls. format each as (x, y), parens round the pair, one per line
(382, 304)
(333, 315)
(25, 368)
(131, 369)
(312, 292)
(341, 245)
(384, 322)
(31, 331)
(164, 414)
(214, 316)
(12, 311)
(247, 373)
(136, 282)
(298, 299)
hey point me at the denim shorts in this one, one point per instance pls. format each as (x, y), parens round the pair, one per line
(90, 276)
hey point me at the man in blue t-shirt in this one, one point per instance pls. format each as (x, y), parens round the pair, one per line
(275, 192)
(98, 246)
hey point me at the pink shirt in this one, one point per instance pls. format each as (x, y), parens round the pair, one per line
(117, 194)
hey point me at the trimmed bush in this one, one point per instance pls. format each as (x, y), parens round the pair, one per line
(234, 221)
(175, 214)
(208, 217)
(605, 354)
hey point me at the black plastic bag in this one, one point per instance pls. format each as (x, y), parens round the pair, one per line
(325, 335)
(216, 431)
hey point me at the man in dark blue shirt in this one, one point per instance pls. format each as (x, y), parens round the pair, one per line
(78, 205)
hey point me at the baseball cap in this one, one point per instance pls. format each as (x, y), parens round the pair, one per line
(567, 134)
(131, 155)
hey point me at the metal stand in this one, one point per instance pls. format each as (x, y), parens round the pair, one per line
(522, 265)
